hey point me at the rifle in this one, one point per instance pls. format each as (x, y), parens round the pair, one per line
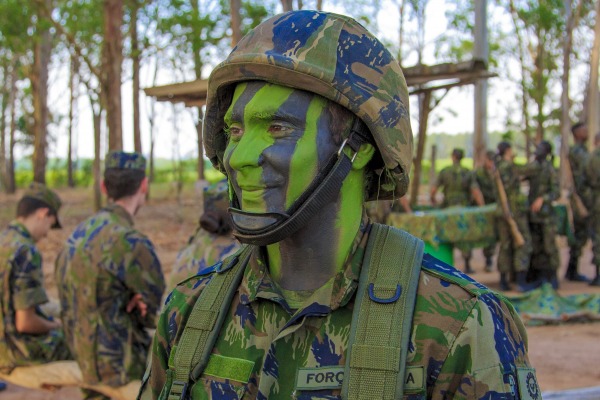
(580, 208)
(518, 239)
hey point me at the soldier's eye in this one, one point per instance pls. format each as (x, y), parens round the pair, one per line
(278, 130)
(234, 132)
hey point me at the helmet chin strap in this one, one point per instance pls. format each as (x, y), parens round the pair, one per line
(262, 229)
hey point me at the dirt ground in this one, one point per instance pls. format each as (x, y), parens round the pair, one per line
(565, 356)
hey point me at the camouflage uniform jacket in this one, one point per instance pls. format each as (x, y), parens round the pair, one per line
(457, 182)
(578, 158)
(592, 179)
(23, 287)
(543, 182)
(510, 174)
(202, 250)
(467, 346)
(485, 181)
(104, 263)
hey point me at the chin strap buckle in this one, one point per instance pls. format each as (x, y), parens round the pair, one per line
(359, 134)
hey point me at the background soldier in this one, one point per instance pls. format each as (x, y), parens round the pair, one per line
(110, 282)
(578, 157)
(543, 190)
(512, 259)
(484, 176)
(308, 117)
(592, 174)
(213, 240)
(27, 335)
(460, 189)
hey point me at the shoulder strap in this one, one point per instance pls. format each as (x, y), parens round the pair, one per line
(189, 358)
(382, 317)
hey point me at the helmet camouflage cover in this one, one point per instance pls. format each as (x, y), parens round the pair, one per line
(331, 55)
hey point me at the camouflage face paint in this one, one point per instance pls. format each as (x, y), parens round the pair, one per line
(280, 139)
(283, 144)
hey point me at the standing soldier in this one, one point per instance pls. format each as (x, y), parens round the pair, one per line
(592, 174)
(578, 156)
(27, 336)
(543, 190)
(460, 189)
(512, 259)
(484, 176)
(110, 282)
(308, 118)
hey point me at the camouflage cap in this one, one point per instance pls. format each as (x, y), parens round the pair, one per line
(40, 192)
(333, 56)
(458, 153)
(216, 196)
(118, 159)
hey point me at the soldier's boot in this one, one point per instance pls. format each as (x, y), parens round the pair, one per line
(504, 285)
(488, 264)
(468, 269)
(596, 280)
(522, 284)
(2, 386)
(572, 274)
(552, 279)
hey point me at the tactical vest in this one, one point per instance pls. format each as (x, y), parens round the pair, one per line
(385, 301)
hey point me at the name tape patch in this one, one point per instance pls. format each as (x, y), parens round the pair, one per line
(320, 378)
(333, 378)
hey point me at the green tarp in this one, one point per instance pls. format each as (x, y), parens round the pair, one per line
(545, 305)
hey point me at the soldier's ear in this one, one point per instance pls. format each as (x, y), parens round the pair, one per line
(364, 155)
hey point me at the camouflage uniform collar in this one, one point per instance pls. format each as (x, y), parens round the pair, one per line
(21, 229)
(337, 292)
(119, 211)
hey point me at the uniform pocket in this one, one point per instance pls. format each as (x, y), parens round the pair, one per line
(211, 389)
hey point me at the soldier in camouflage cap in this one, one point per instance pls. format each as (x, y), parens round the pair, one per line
(27, 335)
(212, 242)
(592, 181)
(308, 117)
(543, 190)
(460, 190)
(110, 281)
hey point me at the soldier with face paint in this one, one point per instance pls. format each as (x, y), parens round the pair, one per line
(308, 118)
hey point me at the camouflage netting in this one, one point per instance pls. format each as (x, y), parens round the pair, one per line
(545, 305)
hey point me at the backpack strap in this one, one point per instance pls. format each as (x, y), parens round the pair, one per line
(382, 316)
(189, 358)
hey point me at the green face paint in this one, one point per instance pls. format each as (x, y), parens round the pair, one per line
(279, 140)
(281, 151)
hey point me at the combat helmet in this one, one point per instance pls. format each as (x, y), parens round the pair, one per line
(336, 57)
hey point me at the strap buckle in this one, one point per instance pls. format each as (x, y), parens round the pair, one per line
(344, 143)
(178, 390)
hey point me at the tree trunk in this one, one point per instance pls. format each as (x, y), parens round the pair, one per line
(200, 147)
(3, 110)
(39, 88)
(300, 4)
(432, 173)
(424, 110)
(236, 24)
(319, 5)
(72, 100)
(540, 90)
(111, 72)
(593, 111)
(566, 179)
(97, 115)
(135, 58)
(198, 64)
(10, 169)
(287, 5)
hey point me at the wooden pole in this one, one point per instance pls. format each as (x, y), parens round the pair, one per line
(480, 52)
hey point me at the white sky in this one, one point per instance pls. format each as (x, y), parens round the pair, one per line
(459, 100)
